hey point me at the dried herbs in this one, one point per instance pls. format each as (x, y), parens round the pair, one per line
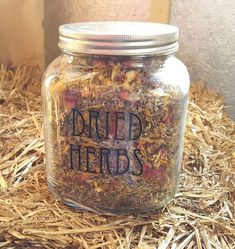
(114, 133)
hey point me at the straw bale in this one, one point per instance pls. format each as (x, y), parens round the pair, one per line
(202, 215)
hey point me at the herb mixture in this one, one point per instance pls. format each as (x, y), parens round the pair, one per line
(114, 133)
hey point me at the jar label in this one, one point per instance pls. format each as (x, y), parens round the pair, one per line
(105, 126)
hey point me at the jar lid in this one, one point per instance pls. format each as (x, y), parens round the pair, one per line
(119, 38)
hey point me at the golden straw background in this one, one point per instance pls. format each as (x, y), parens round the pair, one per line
(202, 215)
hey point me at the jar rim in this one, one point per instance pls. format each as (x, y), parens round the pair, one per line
(119, 38)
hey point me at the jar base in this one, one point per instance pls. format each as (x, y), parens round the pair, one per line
(112, 211)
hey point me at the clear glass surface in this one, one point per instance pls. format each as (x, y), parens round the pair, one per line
(114, 128)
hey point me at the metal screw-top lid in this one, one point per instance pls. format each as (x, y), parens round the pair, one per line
(119, 38)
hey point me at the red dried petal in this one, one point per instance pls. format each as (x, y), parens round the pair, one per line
(153, 173)
(70, 98)
(99, 64)
(123, 95)
(127, 63)
(168, 119)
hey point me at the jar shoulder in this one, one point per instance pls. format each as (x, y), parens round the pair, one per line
(53, 73)
(55, 67)
(174, 73)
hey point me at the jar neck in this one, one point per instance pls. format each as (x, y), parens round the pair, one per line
(92, 60)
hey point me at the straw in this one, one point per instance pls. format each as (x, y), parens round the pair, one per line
(200, 216)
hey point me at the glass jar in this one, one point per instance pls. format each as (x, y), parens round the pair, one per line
(114, 116)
